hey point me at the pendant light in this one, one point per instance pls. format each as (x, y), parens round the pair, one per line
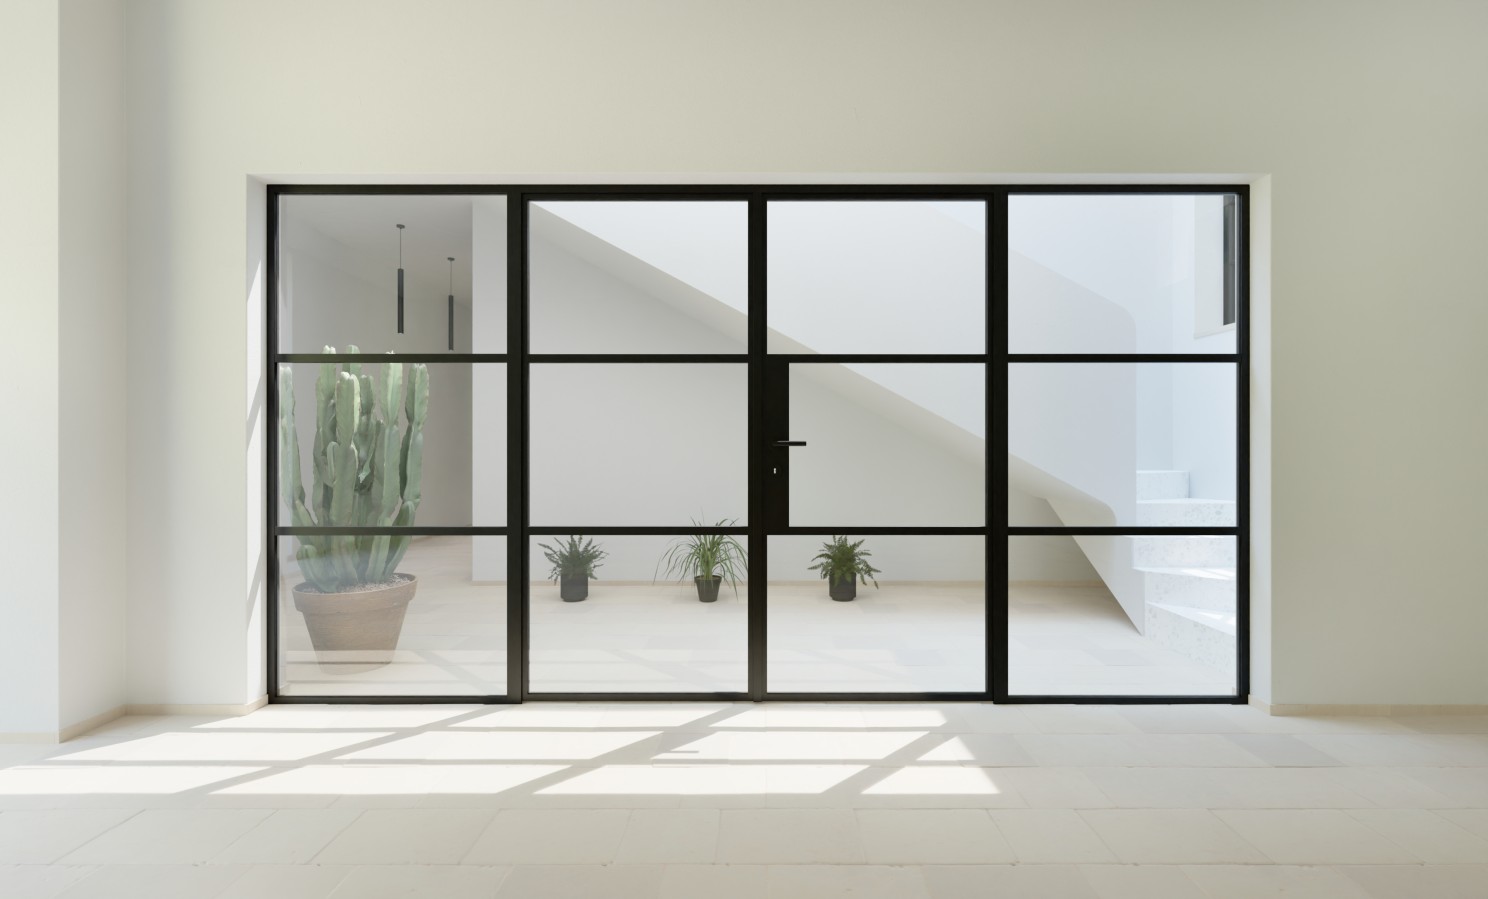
(451, 302)
(400, 279)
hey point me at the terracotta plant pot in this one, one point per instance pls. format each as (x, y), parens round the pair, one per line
(845, 590)
(573, 589)
(356, 630)
(707, 588)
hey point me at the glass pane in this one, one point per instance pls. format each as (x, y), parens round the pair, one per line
(1136, 616)
(638, 626)
(1120, 274)
(877, 277)
(338, 273)
(921, 628)
(656, 444)
(1149, 444)
(462, 479)
(435, 627)
(639, 277)
(887, 445)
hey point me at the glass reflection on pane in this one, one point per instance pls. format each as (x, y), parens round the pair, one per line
(634, 627)
(1112, 273)
(639, 276)
(920, 628)
(449, 640)
(1121, 615)
(338, 265)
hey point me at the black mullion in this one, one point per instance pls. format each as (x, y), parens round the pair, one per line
(631, 530)
(757, 590)
(1242, 450)
(1060, 358)
(743, 192)
(1121, 531)
(271, 426)
(416, 530)
(996, 397)
(374, 358)
(632, 358)
(884, 530)
(848, 358)
(516, 447)
(1123, 699)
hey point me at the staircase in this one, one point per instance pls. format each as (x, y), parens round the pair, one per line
(1188, 582)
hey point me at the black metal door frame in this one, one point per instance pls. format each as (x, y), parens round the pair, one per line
(768, 421)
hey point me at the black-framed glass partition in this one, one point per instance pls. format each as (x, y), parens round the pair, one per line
(731, 442)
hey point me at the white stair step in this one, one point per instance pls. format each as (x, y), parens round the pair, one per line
(1178, 513)
(1183, 552)
(1203, 635)
(1153, 484)
(1200, 588)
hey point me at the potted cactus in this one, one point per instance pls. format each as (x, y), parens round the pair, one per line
(843, 564)
(367, 468)
(573, 561)
(709, 558)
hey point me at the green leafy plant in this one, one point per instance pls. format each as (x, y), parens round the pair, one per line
(707, 556)
(367, 469)
(573, 557)
(841, 561)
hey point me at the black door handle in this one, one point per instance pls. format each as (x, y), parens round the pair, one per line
(790, 443)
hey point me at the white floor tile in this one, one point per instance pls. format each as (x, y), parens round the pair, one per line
(714, 882)
(288, 837)
(420, 882)
(931, 837)
(286, 882)
(1412, 881)
(1170, 837)
(1259, 881)
(1314, 836)
(1427, 835)
(1050, 836)
(582, 882)
(406, 837)
(670, 836)
(1020, 881)
(41, 836)
(154, 882)
(550, 837)
(168, 837)
(845, 882)
(990, 750)
(39, 881)
(1141, 882)
(789, 836)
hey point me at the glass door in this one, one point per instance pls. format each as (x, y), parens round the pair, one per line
(638, 475)
(875, 468)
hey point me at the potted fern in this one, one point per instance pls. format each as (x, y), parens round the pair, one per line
(709, 558)
(573, 561)
(843, 564)
(367, 465)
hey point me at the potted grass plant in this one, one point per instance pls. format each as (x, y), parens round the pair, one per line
(708, 558)
(367, 463)
(574, 560)
(843, 565)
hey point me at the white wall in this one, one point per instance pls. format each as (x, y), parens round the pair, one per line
(1366, 117)
(29, 258)
(93, 275)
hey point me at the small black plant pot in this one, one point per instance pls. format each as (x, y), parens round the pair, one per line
(707, 588)
(573, 589)
(845, 590)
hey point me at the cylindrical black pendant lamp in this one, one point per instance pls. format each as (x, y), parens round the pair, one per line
(400, 279)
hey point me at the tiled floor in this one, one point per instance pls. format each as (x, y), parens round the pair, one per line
(736, 800)
(643, 637)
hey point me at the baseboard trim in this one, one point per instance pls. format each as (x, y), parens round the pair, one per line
(67, 733)
(1385, 710)
(209, 709)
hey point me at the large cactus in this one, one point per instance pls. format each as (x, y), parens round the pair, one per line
(367, 469)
